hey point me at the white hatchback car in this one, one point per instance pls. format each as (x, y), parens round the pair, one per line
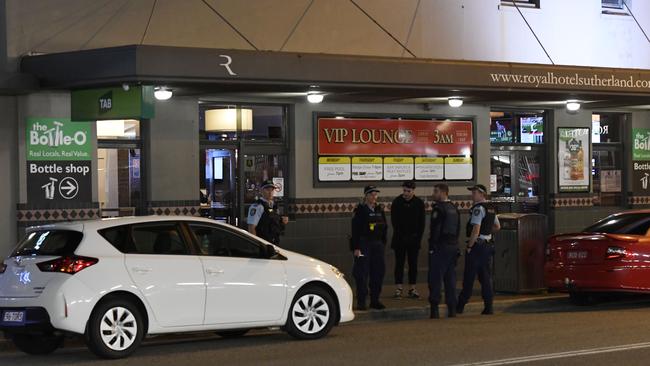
(117, 280)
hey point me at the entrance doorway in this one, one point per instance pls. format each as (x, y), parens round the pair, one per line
(516, 180)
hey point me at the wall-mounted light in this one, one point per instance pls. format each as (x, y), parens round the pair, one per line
(455, 102)
(315, 97)
(572, 105)
(162, 92)
(218, 120)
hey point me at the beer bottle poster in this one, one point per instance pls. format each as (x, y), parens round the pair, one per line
(574, 154)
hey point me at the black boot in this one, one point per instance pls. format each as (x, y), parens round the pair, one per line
(488, 310)
(451, 312)
(435, 312)
(460, 307)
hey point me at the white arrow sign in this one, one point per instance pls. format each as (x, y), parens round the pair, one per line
(68, 188)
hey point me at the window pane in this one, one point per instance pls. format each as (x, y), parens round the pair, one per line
(158, 239)
(620, 224)
(117, 236)
(241, 247)
(617, 4)
(220, 122)
(212, 241)
(607, 176)
(128, 129)
(49, 242)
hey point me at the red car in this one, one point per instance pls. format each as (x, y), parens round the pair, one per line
(613, 255)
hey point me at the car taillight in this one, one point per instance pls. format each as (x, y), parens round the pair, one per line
(3, 267)
(70, 265)
(616, 253)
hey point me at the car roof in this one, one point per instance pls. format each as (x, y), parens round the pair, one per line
(99, 224)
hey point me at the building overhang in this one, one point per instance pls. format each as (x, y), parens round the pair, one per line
(202, 70)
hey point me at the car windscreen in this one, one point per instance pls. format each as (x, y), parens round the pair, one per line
(49, 242)
(621, 224)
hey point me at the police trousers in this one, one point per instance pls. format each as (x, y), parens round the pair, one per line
(369, 270)
(477, 263)
(442, 269)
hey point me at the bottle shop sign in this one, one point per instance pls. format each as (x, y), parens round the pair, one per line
(574, 152)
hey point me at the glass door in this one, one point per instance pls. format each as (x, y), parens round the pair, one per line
(218, 191)
(119, 181)
(516, 182)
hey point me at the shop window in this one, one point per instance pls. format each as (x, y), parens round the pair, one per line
(121, 129)
(517, 127)
(522, 3)
(221, 122)
(607, 159)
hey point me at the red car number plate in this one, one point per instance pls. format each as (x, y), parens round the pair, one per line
(577, 254)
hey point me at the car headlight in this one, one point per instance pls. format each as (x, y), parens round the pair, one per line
(336, 271)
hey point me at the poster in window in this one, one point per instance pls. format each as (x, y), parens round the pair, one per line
(610, 180)
(574, 152)
(532, 130)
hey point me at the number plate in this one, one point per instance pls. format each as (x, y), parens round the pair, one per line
(577, 255)
(14, 317)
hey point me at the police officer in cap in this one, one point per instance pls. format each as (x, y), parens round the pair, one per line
(482, 223)
(443, 250)
(367, 242)
(263, 217)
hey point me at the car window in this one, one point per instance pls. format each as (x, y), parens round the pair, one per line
(158, 238)
(217, 241)
(118, 237)
(619, 224)
(640, 228)
(49, 242)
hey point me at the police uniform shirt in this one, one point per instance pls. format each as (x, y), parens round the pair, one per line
(478, 213)
(256, 211)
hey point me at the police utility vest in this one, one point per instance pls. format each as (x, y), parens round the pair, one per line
(450, 225)
(374, 224)
(270, 225)
(486, 223)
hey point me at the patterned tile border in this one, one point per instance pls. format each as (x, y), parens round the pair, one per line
(345, 206)
(564, 202)
(639, 200)
(174, 210)
(44, 216)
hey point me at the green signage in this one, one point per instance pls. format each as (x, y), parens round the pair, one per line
(641, 147)
(58, 139)
(113, 103)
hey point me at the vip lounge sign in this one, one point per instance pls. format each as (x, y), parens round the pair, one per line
(59, 156)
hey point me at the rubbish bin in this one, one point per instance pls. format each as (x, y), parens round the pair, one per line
(519, 253)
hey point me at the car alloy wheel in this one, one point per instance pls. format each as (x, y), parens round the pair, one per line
(312, 313)
(115, 328)
(118, 328)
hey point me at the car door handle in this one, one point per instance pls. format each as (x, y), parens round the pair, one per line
(214, 271)
(141, 270)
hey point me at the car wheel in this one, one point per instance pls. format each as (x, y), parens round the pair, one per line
(311, 314)
(115, 329)
(235, 333)
(37, 344)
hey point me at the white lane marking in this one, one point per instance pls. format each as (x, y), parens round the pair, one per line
(550, 356)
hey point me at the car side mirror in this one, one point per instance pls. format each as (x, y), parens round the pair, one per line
(269, 251)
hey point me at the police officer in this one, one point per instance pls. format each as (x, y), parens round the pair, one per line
(367, 242)
(482, 223)
(407, 217)
(443, 250)
(263, 218)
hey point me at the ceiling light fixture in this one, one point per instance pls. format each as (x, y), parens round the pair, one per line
(162, 92)
(314, 97)
(455, 102)
(572, 105)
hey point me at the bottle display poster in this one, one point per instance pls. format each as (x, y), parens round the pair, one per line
(574, 154)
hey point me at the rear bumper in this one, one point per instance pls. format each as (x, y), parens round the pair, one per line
(597, 277)
(37, 320)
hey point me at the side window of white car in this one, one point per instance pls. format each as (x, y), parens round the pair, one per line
(158, 238)
(215, 241)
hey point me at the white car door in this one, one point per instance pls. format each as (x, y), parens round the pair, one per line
(242, 286)
(168, 275)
